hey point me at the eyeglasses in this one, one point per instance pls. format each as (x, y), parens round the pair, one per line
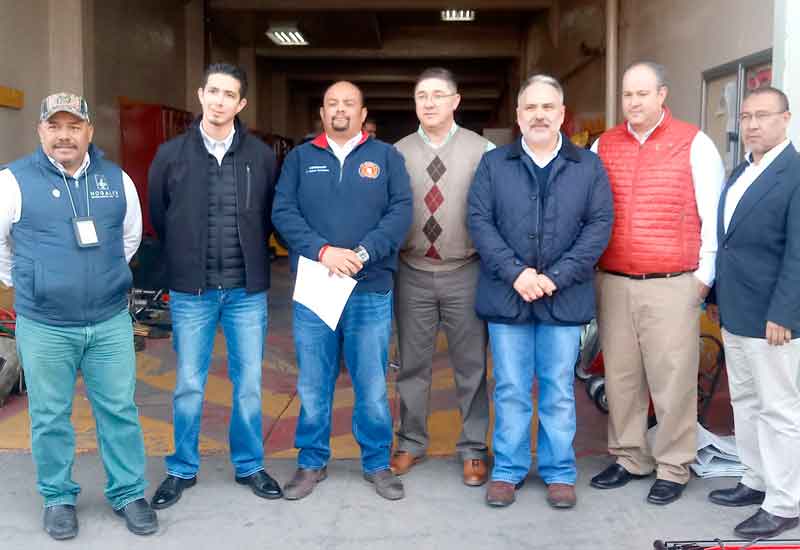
(760, 116)
(435, 98)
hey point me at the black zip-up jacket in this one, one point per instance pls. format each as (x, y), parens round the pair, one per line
(178, 199)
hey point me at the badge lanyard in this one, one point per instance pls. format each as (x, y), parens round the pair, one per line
(84, 227)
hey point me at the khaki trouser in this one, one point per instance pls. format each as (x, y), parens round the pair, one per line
(765, 393)
(650, 337)
(424, 302)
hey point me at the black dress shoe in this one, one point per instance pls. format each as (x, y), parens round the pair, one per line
(170, 490)
(61, 521)
(262, 485)
(741, 495)
(664, 492)
(139, 517)
(614, 476)
(764, 525)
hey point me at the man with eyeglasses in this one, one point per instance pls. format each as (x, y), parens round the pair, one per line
(758, 291)
(666, 177)
(437, 277)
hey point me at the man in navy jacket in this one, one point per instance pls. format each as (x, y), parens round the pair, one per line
(540, 214)
(758, 295)
(344, 199)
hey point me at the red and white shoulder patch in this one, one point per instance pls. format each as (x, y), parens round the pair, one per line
(369, 170)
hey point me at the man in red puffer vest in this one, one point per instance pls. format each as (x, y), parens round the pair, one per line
(666, 177)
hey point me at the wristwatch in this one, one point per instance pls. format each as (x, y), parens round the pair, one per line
(362, 253)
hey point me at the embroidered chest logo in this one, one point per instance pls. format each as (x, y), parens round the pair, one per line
(319, 169)
(102, 190)
(369, 170)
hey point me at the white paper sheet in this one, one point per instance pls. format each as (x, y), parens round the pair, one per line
(320, 292)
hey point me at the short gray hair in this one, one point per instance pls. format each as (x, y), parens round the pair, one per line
(541, 79)
(659, 70)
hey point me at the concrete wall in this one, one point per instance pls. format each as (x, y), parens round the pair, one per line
(139, 52)
(25, 45)
(575, 58)
(689, 37)
(583, 76)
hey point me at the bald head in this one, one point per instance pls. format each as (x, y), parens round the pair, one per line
(342, 112)
(343, 86)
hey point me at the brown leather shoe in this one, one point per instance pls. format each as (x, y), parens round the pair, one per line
(561, 495)
(303, 483)
(476, 472)
(500, 494)
(403, 461)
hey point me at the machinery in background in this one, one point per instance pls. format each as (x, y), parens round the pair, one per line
(11, 378)
(717, 544)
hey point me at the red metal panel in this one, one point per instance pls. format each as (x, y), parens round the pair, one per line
(143, 128)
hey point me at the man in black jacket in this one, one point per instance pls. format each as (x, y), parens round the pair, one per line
(210, 194)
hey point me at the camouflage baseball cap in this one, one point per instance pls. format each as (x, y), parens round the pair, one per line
(63, 102)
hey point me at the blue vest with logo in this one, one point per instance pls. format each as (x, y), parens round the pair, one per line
(56, 281)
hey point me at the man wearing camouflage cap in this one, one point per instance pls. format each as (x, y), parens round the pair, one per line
(69, 223)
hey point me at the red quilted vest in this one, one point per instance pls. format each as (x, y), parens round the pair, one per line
(656, 225)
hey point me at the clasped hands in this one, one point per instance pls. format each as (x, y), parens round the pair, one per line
(531, 285)
(341, 261)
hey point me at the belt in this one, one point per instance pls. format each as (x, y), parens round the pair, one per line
(644, 276)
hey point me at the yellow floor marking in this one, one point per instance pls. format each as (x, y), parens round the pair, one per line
(158, 439)
(16, 432)
(218, 389)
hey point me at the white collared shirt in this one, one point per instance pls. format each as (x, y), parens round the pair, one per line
(708, 176)
(750, 174)
(544, 161)
(341, 151)
(83, 167)
(453, 129)
(11, 211)
(641, 138)
(217, 148)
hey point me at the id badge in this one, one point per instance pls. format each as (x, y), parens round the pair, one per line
(85, 232)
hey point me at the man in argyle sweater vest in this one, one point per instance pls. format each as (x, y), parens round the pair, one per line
(437, 277)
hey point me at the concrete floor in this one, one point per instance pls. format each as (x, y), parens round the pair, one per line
(438, 513)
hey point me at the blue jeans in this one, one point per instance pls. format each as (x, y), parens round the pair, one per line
(363, 335)
(519, 353)
(195, 318)
(51, 356)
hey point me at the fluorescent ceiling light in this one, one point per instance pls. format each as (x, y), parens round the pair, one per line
(458, 15)
(286, 35)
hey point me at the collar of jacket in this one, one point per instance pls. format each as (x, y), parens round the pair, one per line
(569, 150)
(659, 129)
(321, 141)
(779, 164)
(95, 154)
(239, 126)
